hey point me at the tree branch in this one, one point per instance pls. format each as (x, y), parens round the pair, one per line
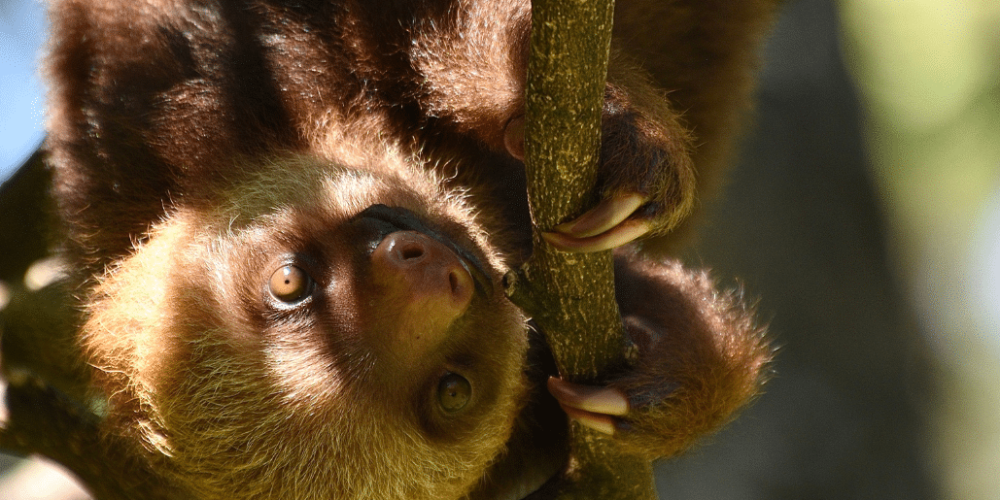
(42, 420)
(571, 296)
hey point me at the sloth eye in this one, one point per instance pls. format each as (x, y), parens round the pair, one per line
(290, 284)
(454, 392)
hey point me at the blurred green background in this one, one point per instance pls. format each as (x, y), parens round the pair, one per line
(865, 215)
(928, 73)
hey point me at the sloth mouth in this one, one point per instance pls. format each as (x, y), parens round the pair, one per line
(379, 221)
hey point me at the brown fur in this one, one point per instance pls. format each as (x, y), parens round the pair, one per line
(198, 147)
(238, 400)
(717, 354)
(159, 94)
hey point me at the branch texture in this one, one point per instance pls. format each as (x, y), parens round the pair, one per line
(571, 296)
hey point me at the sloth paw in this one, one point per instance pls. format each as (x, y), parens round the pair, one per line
(624, 407)
(603, 408)
(645, 182)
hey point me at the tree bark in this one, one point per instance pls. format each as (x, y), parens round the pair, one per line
(571, 296)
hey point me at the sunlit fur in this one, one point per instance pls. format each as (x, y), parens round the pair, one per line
(236, 411)
(718, 354)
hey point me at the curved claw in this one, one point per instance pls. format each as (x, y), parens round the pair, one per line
(603, 227)
(602, 218)
(593, 407)
(616, 237)
(598, 399)
(601, 423)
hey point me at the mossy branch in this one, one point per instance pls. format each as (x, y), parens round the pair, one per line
(571, 296)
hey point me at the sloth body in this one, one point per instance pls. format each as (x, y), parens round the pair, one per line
(288, 225)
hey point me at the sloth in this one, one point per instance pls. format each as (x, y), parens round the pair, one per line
(288, 223)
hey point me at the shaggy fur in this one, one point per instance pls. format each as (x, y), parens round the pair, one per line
(238, 399)
(199, 146)
(158, 94)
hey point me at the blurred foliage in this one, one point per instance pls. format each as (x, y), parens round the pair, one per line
(929, 74)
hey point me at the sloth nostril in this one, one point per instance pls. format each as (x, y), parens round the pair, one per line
(407, 248)
(412, 252)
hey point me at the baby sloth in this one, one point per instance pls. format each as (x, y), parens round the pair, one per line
(335, 328)
(288, 222)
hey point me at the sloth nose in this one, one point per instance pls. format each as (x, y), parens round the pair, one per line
(423, 276)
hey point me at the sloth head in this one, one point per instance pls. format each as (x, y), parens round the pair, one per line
(326, 330)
